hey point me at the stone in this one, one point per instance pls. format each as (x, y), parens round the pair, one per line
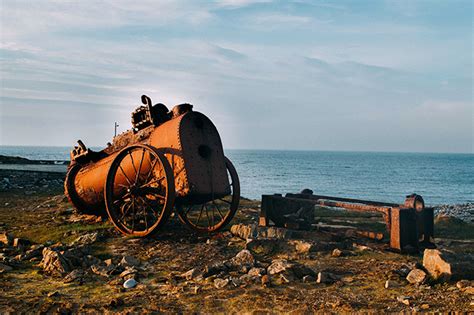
(75, 275)
(273, 232)
(53, 294)
(214, 269)
(462, 284)
(129, 272)
(34, 251)
(278, 266)
(192, 274)
(390, 284)
(469, 290)
(303, 247)
(444, 265)
(266, 280)
(262, 246)
(5, 268)
(6, 238)
(130, 283)
(244, 231)
(416, 276)
(86, 239)
(221, 283)
(425, 306)
(21, 243)
(336, 252)
(243, 258)
(257, 272)
(308, 278)
(325, 277)
(102, 270)
(196, 289)
(404, 299)
(108, 262)
(129, 261)
(54, 262)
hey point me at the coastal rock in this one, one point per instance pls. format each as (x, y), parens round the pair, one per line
(444, 265)
(243, 258)
(416, 276)
(221, 283)
(54, 262)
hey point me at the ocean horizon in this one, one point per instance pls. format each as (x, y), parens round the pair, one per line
(441, 178)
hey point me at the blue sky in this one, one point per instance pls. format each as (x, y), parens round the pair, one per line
(313, 75)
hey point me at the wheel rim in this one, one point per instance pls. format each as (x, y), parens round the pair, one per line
(215, 214)
(139, 190)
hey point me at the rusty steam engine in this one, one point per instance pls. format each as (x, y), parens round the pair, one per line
(169, 159)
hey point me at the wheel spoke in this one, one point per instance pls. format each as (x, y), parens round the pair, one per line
(226, 201)
(126, 177)
(207, 215)
(200, 213)
(124, 213)
(218, 209)
(151, 170)
(133, 163)
(140, 167)
(152, 182)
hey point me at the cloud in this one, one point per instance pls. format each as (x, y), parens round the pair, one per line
(239, 3)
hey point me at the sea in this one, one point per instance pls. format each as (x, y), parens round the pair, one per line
(441, 178)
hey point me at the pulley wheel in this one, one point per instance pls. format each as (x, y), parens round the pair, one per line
(213, 215)
(139, 190)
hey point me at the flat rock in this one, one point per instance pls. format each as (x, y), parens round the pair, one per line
(221, 283)
(416, 276)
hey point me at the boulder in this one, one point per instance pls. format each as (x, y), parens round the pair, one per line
(444, 265)
(55, 263)
(416, 276)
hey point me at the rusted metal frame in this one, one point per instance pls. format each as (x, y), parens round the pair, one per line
(350, 200)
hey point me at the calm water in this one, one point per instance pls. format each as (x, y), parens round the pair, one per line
(439, 178)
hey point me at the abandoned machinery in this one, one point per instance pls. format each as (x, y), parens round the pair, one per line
(169, 159)
(409, 225)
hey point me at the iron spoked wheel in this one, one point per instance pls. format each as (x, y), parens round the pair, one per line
(139, 190)
(215, 214)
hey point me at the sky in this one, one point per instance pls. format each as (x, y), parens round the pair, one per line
(296, 75)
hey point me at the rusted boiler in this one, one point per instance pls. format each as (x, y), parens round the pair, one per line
(169, 159)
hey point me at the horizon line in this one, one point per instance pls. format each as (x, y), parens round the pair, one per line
(269, 149)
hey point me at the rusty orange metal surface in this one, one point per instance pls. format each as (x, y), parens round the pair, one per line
(192, 148)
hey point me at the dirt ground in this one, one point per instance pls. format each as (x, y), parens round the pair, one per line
(43, 216)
